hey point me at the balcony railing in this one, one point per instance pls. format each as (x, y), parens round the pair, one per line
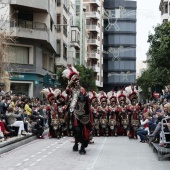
(93, 42)
(93, 55)
(93, 14)
(93, 28)
(28, 25)
(92, 1)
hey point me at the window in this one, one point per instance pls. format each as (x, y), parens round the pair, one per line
(51, 64)
(18, 55)
(58, 22)
(58, 47)
(44, 61)
(48, 62)
(58, 2)
(51, 24)
(65, 51)
(65, 26)
(166, 8)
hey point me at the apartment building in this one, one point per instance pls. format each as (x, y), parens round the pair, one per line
(119, 65)
(94, 29)
(68, 34)
(32, 57)
(164, 7)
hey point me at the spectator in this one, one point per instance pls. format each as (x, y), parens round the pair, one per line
(27, 108)
(143, 131)
(12, 121)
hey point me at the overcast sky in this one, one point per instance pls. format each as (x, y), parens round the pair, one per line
(148, 15)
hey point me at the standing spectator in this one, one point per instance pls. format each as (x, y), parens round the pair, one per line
(27, 108)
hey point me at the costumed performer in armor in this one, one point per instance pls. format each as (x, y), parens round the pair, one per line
(133, 114)
(80, 109)
(113, 112)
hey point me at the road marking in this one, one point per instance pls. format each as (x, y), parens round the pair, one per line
(54, 150)
(25, 169)
(18, 164)
(48, 147)
(32, 164)
(44, 149)
(38, 153)
(44, 156)
(38, 160)
(25, 160)
(49, 153)
(96, 155)
(32, 156)
(11, 169)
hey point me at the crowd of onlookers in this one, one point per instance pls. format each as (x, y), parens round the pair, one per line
(155, 114)
(21, 115)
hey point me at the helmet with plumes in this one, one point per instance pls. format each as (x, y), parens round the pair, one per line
(69, 72)
(102, 96)
(93, 97)
(121, 95)
(112, 96)
(132, 93)
(63, 96)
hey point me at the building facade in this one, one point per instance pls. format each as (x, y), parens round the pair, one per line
(31, 63)
(68, 34)
(119, 54)
(94, 28)
(164, 7)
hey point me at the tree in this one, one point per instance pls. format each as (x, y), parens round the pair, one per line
(87, 79)
(158, 73)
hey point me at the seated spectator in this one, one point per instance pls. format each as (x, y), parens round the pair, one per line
(12, 116)
(143, 131)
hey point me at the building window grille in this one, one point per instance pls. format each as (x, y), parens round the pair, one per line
(58, 2)
(58, 23)
(65, 26)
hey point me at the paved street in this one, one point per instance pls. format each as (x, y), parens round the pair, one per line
(106, 154)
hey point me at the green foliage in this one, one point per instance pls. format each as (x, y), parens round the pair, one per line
(159, 61)
(87, 79)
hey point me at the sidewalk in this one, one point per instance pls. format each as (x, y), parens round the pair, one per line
(17, 141)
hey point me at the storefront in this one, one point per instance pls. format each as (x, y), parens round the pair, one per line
(26, 84)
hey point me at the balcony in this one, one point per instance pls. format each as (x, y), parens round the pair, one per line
(99, 84)
(75, 37)
(94, 15)
(95, 42)
(93, 2)
(37, 4)
(93, 28)
(29, 29)
(93, 55)
(95, 68)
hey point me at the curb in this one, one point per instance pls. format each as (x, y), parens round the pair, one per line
(8, 146)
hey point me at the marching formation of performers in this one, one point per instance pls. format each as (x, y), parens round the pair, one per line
(75, 112)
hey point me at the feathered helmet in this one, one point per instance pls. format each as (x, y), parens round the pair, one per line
(121, 95)
(112, 96)
(102, 96)
(63, 96)
(69, 72)
(133, 94)
(52, 93)
(93, 97)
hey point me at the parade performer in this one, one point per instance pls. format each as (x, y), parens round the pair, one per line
(94, 104)
(123, 116)
(80, 109)
(103, 111)
(51, 113)
(61, 112)
(133, 113)
(113, 112)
